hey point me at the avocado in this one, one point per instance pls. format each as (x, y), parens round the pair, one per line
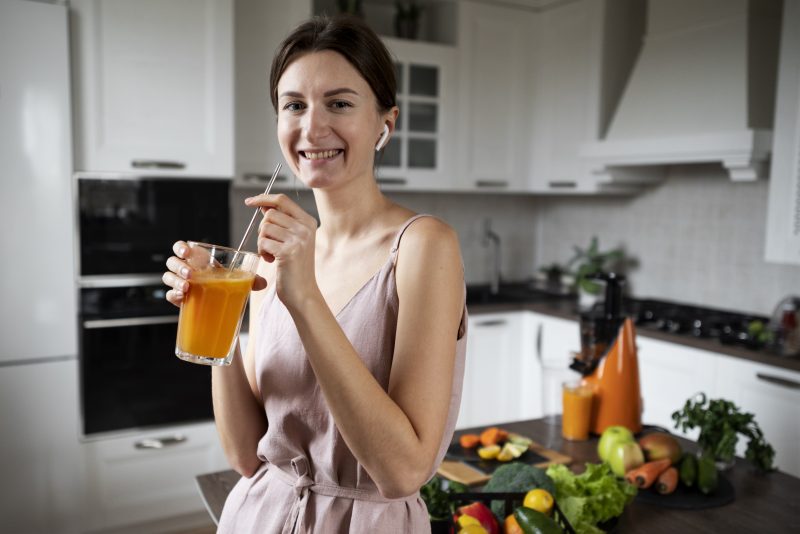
(534, 522)
(707, 474)
(688, 469)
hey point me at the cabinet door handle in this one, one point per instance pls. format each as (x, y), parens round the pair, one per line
(157, 164)
(780, 381)
(391, 181)
(491, 183)
(261, 177)
(129, 321)
(160, 443)
(539, 342)
(562, 185)
(492, 322)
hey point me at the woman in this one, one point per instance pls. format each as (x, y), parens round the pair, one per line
(346, 398)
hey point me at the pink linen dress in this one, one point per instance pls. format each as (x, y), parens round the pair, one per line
(310, 481)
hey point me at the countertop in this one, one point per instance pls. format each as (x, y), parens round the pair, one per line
(763, 503)
(565, 307)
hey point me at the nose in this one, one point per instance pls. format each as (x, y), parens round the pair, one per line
(316, 124)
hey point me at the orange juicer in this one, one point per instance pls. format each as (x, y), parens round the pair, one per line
(608, 361)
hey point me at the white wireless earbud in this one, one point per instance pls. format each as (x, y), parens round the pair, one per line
(383, 139)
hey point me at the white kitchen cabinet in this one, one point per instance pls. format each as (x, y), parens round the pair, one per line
(669, 374)
(495, 116)
(557, 339)
(260, 26)
(502, 375)
(421, 153)
(581, 53)
(149, 476)
(783, 211)
(772, 395)
(153, 86)
(40, 457)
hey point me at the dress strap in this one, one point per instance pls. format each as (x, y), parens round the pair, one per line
(405, 226)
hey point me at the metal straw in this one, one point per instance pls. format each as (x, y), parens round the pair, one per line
(255, 214)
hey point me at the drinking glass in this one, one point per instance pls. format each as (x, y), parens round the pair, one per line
(577, 410)
(212, 310)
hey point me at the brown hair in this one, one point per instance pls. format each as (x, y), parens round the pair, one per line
(350, 37)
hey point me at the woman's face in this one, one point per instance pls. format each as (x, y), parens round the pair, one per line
(328, 120)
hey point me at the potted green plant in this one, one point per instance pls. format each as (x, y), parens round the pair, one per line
(721, 423)
(351, 7)
(406, 19)
(590, 261)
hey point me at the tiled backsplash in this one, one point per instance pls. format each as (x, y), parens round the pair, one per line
(698, 237)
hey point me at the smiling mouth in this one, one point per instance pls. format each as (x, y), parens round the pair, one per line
(320, 154)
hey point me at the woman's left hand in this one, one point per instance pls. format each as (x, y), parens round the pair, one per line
(286, 238)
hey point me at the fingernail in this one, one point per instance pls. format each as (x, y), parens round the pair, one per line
(182, 251)
(248, 200)
(178, 294)
(184, 287)
(185, 272)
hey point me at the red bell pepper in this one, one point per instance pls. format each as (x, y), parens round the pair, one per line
(482, 513)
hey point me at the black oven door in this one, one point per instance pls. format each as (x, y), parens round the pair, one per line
(128, 226)
(130, 376)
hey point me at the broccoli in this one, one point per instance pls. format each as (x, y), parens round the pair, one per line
(517, 477)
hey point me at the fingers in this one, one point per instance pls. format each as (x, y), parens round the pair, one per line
(175, 297)
(281, 203)
(180, 248)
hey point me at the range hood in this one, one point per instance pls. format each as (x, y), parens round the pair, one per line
(701, 91)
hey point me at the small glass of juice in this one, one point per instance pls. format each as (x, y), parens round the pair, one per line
(212, 311)
(577, 411)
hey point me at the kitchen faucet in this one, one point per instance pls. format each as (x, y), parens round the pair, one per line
(491, 238)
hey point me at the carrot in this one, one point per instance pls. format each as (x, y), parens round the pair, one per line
(667, 481)
(645, 475)
(490, 436)
(469, 441)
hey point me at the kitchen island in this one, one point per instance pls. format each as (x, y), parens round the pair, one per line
(763, 503)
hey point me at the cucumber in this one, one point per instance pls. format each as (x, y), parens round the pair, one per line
(707, 474)
(534, 522)
(688, 470)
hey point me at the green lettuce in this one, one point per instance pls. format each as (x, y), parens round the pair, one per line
(590, 498)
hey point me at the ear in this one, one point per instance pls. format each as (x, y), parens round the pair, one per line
(383, 138)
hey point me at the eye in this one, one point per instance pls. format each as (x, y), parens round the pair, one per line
(341, 104)
(293, 106)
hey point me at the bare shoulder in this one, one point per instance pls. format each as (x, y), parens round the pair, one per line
(427, 245)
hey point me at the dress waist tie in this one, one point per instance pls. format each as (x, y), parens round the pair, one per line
(303, 484)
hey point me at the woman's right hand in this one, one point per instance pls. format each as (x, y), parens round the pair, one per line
(178, 274)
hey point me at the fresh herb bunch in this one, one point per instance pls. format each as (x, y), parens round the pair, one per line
(436, 494)
(720, 421)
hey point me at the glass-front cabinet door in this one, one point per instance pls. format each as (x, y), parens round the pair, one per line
(420, 154)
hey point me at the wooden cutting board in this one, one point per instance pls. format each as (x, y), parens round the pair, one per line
(470, 474)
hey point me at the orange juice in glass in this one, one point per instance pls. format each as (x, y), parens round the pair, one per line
(577, 411)
(212, 311)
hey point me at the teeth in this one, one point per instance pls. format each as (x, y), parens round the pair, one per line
(321, 155)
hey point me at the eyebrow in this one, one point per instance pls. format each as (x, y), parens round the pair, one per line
(326, 94)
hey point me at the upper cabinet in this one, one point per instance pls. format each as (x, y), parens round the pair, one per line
(153, 86)
(421, 151)
(494, 96)
(260, 26)
(783, 213)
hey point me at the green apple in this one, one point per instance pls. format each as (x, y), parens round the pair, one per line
(624, 457)
(610, 438)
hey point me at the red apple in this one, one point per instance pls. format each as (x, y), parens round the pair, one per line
(660, 445)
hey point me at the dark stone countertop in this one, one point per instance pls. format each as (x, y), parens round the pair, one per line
(517, 297)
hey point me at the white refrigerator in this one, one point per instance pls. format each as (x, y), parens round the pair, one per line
(40, 462)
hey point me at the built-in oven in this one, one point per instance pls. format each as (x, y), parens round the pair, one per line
(130, 376)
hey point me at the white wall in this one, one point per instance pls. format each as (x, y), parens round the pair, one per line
(699, 239)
